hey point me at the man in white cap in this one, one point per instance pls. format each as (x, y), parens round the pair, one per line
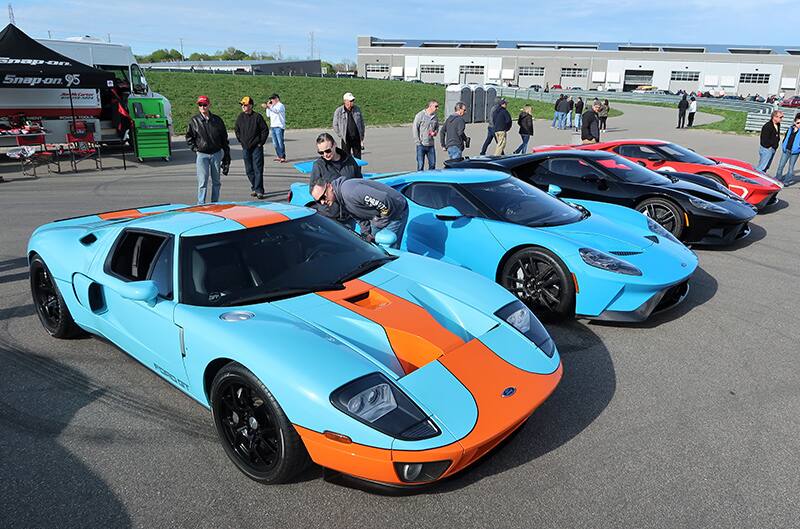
(348, 125)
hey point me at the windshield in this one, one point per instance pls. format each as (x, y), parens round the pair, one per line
(682, 154)
(628, 171)
(518, 202)
(272, 262)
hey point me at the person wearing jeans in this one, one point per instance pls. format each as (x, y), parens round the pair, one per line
(790, 151)
(276, 113)
(452, 136)
(489, 129)
(208, 138)
(251, 131)
(770, 139)
(208, 165)
(424, 130)
(525, 122)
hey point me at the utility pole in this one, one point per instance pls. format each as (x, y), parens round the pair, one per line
(49, 34)
(280, 55)
(183, 57)
(311, 40)
(11, 14)
(109, 38)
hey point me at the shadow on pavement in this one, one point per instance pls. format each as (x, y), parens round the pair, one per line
(777, 206)
(756, 234)
(44, 484)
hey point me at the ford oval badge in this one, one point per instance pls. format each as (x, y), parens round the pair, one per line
(509, 391)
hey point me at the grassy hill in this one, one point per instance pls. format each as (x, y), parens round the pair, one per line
(310, 101)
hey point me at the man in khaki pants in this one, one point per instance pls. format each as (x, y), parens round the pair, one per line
(502, 124)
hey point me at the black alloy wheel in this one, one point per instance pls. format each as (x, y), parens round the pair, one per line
(541, 280)
(253, 429)
(665, 212)
(50, 307)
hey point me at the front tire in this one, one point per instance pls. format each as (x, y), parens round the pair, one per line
(665, 212)
(253, 429)
(716, 178)
(540, 280)
(50, 306)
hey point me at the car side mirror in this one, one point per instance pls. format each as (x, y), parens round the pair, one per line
(146, 291)
(386, 238)
(553, 190)
(448, 213)
(656, 161)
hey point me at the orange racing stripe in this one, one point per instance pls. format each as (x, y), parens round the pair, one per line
(415, 336)
(247, 216)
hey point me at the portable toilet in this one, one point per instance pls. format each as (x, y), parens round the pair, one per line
(452, 95)
(491, 99)
(466, 98)
(478, 105)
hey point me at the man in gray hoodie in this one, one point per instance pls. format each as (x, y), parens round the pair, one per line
(424, 130)
(374, 205)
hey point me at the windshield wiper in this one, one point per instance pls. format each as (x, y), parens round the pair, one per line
(282, 293)
(365, 267)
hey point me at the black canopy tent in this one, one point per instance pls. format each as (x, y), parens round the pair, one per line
(24, 63)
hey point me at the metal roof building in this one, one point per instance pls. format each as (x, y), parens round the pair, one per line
(607, 65)
(287, 67)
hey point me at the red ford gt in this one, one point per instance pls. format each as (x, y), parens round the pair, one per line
(740, 177)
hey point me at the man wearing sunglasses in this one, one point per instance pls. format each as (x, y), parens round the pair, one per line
(208, 137)
(424, 130)
(374, 205)
(251, 131)
(332, 163)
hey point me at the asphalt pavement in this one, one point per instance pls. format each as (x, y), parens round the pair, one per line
(691, 419)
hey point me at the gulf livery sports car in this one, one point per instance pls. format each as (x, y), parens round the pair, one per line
(740, 177)
(697, 213)
(583, 258)
(302, 339)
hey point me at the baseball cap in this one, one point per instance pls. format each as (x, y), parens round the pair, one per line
(348, 97)
(203, 99)
(246, 100)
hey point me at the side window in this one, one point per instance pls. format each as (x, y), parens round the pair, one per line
(639, 151)
(437, 196)
(134, 255)
(161, 269)
(572, 167)
(138, 82)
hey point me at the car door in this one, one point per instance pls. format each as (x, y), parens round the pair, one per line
(647, 156)
(146, 330)
(577, 178)
(464, 240)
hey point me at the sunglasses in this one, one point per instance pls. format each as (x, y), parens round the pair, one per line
(202, 104)
(326, 151)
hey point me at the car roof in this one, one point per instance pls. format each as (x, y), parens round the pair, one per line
(206, 219)
(455, 175)
(511, 162)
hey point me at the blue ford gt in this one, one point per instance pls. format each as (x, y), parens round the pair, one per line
(576, 257)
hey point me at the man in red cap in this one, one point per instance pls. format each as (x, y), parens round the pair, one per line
(208, 137)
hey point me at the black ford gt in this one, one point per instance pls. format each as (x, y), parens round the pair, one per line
(696, 209)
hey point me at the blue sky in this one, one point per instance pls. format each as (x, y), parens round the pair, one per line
(209, 25)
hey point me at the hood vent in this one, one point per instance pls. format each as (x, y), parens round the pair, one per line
(623, 253)
(86, 240)
(652, 238)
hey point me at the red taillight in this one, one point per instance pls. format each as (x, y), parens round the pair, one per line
(289, 196)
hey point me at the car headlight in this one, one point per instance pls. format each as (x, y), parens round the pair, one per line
(607, 262)
(519, 316)
(743, 178)
(658, 229)
(375, 401)
(706, 205)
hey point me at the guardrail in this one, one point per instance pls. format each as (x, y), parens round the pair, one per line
(725, 104)
(756, 120)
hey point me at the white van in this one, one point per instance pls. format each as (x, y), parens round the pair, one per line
(92, 106)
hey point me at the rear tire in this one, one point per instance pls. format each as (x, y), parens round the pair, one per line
(253, 429)
(50, 306)
(540, 280)
(665, 212)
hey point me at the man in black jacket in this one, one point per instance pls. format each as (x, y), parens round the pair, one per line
(251, 131)
(578, 113)
(590, 126)
(502, 124)
(452, 135)
(770, 138)
(683, 104)
(208, 137)
(489, 128)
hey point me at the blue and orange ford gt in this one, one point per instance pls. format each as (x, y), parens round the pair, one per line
(306, 342)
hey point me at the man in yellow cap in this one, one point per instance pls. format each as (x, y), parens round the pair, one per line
(251, 131)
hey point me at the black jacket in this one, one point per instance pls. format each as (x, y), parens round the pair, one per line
(590, 126)
(683, 104)
(525, 122)
(207, 135)
(251, 130)
(452, 133)
(324, 171)
(770, 136)
(579, 106)
(502, 120)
